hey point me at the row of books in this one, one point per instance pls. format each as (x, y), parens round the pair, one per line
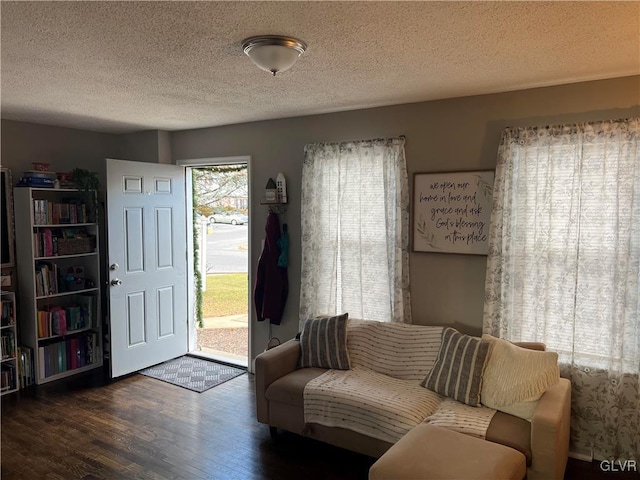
(11, 379)
(45, 241)
(70, 354)
(37, 178)
(8, 345)
(8, 317)
(8, 377)
(59, 320)
(46, 212)
(46, 278)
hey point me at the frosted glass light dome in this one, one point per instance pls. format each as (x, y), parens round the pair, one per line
(274, 53)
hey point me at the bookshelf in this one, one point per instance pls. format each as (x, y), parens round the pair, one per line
(9, 377)
(58, 266)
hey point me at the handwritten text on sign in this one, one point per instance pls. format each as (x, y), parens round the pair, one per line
(452, 212)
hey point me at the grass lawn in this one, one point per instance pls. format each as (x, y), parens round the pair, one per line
(227, 294)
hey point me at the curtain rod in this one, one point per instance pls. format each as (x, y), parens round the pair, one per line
(379, 139)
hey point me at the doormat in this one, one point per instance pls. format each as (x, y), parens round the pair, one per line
(193, 373)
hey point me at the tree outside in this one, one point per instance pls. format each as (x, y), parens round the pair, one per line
(221, 188)
(223, 305)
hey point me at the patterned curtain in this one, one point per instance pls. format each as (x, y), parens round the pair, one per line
(564, 267)
(355, 231)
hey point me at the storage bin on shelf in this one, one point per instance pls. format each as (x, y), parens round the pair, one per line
(75, 246)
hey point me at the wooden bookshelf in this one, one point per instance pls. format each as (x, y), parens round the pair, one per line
(58, 266)
(9, 376)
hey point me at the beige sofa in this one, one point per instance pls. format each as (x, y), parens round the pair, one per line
(280, 404)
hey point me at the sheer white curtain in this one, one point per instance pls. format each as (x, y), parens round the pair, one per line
(355, 232)
(564, 263)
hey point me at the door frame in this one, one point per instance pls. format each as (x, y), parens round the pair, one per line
(191, 304)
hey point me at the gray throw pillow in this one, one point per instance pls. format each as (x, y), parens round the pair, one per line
(457, 373)
(323, 343)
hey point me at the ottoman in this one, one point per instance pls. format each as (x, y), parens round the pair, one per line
(429, 452)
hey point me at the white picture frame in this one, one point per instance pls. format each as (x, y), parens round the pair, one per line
(452, 211)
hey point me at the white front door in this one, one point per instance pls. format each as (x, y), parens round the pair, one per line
(147, 261)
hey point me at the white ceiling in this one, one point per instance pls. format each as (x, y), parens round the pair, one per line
(131, 66)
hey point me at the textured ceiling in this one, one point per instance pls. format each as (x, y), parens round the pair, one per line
(130, 66)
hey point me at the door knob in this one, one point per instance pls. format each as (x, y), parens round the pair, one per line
(115, 282)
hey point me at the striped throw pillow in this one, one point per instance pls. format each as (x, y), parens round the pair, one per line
(457, 373)
(323, 343)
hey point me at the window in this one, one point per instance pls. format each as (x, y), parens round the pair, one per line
(355, 231)
(568, 243)
(564, 267)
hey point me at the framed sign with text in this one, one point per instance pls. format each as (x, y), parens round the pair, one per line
(451, 212)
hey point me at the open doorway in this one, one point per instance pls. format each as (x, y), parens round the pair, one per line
(220, 201)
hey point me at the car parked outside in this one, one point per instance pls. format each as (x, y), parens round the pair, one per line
(233, 218)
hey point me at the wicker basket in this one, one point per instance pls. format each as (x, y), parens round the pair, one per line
(75, 246)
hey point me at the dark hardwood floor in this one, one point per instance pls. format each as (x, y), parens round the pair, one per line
(139, 427)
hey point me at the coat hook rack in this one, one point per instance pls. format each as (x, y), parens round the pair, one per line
(277, 208)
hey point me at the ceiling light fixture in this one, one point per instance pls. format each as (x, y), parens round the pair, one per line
(273, 53)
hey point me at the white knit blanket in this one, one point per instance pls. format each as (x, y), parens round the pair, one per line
(462, 418)
(368, 402)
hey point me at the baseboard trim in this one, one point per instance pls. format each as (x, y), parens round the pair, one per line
(581, 453)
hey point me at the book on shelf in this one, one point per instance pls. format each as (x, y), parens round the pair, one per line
(87, 306)
(7, 313)
(46, 278)
(76, 352)
(8, 345)
(68, 211)
(38, 179)
(25, 366)
(8, 377)
(44, 324)
(58, 320)
(49, 242)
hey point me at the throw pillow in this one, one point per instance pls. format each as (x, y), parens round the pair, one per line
(323, 343)
(516, 377)
(457, 373)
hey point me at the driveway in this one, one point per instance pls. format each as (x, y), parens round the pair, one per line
(227, 248)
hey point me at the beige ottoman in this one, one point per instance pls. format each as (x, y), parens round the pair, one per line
(429, 452)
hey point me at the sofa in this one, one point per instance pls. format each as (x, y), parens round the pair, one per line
(391, 361)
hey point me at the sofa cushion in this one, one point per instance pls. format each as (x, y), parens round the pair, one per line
(458, 370)
(290, 388)
(429, 452)
(511, 432)
(515, 378)
(399, 350)
(323, 343)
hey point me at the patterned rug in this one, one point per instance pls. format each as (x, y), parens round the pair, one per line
(193, 373)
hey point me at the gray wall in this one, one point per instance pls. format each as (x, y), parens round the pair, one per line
(149, 146)
(64, 148)
(67, 148)
(445, 135)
